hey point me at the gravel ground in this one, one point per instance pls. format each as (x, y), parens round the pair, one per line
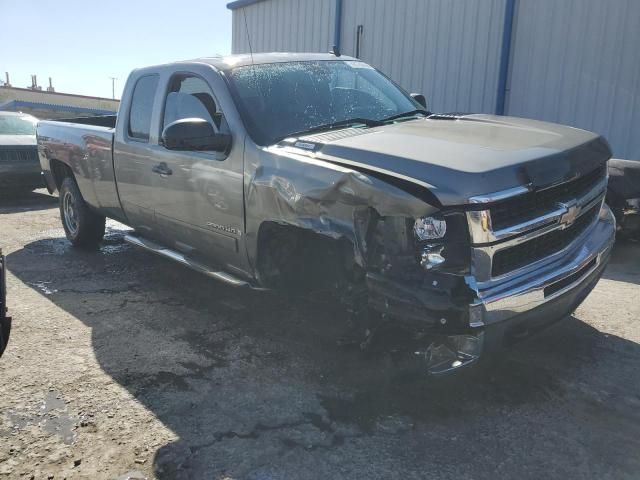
(124, 365)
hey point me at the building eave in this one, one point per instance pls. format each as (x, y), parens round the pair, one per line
(14, 105)
(5, 88)
(242, 3)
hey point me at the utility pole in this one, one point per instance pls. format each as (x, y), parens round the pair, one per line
(113, 87)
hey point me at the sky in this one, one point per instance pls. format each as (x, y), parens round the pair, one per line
(80, 44)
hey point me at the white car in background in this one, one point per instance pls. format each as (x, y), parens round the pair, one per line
(19, 164)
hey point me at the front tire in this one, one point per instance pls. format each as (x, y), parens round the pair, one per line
(82, 226)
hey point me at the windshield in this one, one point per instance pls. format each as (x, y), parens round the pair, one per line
(279, 99)
(16, 125)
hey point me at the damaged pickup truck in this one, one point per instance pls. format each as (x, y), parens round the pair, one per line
(316, 172)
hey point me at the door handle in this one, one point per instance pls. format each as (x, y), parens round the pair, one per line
(162, 169)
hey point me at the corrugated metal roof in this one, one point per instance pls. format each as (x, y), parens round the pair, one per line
(15, 105)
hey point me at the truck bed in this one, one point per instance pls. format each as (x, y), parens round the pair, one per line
(85, 145)
(108, 121)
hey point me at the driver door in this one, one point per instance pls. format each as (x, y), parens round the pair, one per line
(199, 203)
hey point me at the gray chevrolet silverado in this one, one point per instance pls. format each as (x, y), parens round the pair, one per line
(312, 172)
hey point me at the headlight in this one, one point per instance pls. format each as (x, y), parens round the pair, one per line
(430, 228)
(442, 242)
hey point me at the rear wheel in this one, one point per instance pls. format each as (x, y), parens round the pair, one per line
(83, 227)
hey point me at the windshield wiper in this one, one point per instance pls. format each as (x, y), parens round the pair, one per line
(335, 125)
(411, 113)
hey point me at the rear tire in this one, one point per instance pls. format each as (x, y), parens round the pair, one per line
(83, 227)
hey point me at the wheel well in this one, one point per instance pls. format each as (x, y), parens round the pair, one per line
(59, 171)
(301, 260)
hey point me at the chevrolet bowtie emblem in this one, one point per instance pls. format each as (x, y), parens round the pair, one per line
(570, 215)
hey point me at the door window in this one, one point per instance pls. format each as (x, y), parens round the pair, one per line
(142, 106)
(191, 97)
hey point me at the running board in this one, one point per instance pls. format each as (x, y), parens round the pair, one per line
(180, 258)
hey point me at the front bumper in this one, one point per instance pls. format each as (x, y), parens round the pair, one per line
(515, 309)
(588, 254)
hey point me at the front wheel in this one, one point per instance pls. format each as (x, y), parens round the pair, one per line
(83, 227)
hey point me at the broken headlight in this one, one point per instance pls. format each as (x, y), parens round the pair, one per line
(430, 228)
(443, 242)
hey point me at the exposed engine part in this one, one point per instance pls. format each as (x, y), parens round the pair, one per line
(392, 289)
(623, 196)
(411, 280)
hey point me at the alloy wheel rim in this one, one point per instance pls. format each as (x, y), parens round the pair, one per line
(70, 213)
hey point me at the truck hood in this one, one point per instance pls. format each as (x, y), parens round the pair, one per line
(459, 157)
(17, 140)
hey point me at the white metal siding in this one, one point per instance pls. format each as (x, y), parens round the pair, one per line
(285, 26)
(577, 62)
(448, 50)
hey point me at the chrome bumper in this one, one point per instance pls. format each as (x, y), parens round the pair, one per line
(589, 252)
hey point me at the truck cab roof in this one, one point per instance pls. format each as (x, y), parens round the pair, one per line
(229, 62)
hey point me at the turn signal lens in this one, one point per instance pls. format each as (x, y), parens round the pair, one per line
(430, 228)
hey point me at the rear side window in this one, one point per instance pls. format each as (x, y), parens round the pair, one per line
(142, 106)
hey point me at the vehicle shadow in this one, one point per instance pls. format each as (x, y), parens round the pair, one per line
(254, 385)
(623, 266)
(28, 201)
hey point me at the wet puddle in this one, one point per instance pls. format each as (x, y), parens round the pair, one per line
(53, 417)
(44, 287)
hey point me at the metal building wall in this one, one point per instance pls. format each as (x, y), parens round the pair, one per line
(448, 50)
(284, 25)
(577, 62)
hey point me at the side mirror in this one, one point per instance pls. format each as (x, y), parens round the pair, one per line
(194, 134)
(420, 98)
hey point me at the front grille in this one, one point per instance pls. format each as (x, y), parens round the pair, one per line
(534, 204)
(509, 259)
(19, 155)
